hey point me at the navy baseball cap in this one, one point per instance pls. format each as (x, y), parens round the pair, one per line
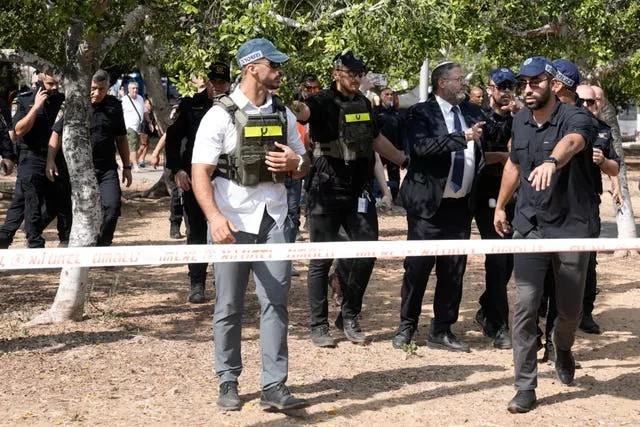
(536, 65)
(503, 74)
(255, 49)
(567, 73)
(218, 70)
(349, 60)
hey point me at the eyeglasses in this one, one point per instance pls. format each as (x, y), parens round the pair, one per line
(533, 84)
(272, 65)
(352, 73)
(461, 79)
(588, 102)
(504, 87)
(312, 89)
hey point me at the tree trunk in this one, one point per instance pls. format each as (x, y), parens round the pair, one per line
(87, 212)
(624, 216)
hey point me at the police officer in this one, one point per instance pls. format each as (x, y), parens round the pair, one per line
(493, 315)
(249, 139)
(550, 160)
(344, 137)
(605, 160)
(35, 115)
(108, 132)
(390, 122)
(7, 154)
(179, 148)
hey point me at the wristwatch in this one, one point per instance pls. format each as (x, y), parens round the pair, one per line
(551, 159)
(300, 163)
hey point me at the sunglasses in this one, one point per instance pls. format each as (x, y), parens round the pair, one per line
(533, 84)
(312, 89)
(352, 73)
(504, 87)
(272, 65)
(588, 102)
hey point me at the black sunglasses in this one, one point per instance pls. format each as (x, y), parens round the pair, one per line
(352, 73)
(505, 86)
(589, 102)
(533, 84)
(272, 65)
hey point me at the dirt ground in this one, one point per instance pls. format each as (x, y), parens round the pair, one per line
(144, 356)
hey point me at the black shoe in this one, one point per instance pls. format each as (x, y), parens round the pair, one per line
(487, 328)
(196, 295)
(565, 366)
(402, 338)
(446, 341)
(351, 329)
(320, 337)
(523, 401)
(174, 232)
(501, 339)
(228, 399)
(589, 325)
(549, 353)
(5, 240)
(280, 398)
(294, 272)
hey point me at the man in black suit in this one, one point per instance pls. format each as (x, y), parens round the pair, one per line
(446, 156)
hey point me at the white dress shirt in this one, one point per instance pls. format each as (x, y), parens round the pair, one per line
(244, 206)
(469, 154)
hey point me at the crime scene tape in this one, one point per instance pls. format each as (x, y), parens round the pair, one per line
(21, 259)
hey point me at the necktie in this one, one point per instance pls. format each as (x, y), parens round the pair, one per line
(458, 160)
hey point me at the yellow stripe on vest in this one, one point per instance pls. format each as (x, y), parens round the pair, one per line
(261, 131)
(359, 117)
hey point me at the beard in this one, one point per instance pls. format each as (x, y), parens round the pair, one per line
(503, 100)
(453, 97)
(541, 100)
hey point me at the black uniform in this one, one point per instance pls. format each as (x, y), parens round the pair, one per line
(568, 208)
(43, 200)
(107, 123)
(6, 146)
(179, 149)
(494, 305)
(391, 126)
(334, 187)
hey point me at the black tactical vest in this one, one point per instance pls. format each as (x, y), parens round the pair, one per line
(256, 135)
(355, 132)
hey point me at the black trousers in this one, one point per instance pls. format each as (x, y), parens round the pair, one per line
(196, 224)
(43, 199)
(354, 273)
(498, 268)
(569, 271)
(452, 221)
(177, 209)
(111, 201)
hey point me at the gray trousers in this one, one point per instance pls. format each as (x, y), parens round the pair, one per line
(569, 269)
(273, 279)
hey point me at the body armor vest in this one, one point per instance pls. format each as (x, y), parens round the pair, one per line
(355, 133)
(256, 135)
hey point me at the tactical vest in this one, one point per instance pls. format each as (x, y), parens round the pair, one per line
(355, 132)
(256, 135)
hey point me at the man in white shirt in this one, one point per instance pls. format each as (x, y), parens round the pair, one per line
(247, 204)
(133, 110)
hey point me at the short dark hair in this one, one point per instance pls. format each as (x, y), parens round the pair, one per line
(441, 71)
(386, 88)
(100, 76)
(309, 78)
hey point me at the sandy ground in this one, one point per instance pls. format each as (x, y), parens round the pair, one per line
(144, 356)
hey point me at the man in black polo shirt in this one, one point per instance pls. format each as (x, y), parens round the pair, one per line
(391, 126)
(107, 132)
(493, 315)
(550, 160)
(344, 137)
(179, 149)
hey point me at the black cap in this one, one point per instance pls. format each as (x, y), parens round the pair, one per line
(349, 60)
(218, 70)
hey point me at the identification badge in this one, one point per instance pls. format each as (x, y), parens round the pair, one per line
(363, 205)
(492, 203)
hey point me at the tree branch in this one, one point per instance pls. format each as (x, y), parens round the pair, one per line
(27, 58)
(290, 22)
(131, 21)
(559, 28)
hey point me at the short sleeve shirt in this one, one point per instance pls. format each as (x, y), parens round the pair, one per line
(37, 139)
(569, 206)
(244, 206)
